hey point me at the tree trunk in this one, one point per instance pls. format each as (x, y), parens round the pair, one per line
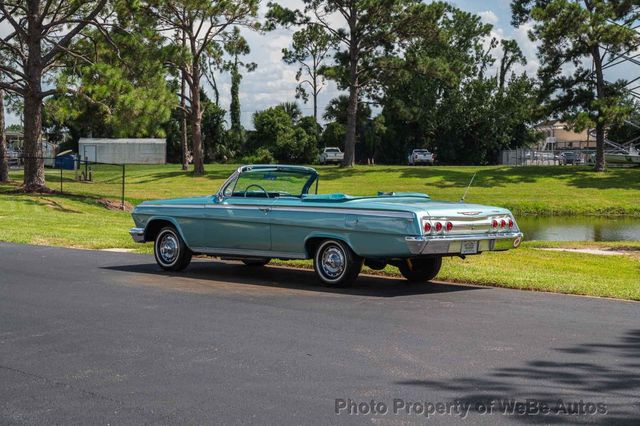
(600, 126)
(4, 161)
(352, 110)
(183, 127)
(32, 149)
(183, 121)
(315, 107)
(196, 124)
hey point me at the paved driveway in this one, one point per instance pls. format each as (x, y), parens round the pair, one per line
(97, 337)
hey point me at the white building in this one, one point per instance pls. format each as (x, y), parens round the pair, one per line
(123, 151)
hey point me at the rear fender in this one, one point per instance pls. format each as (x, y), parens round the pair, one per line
(326, 236)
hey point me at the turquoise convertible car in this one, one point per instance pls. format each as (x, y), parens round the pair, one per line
(263, 212)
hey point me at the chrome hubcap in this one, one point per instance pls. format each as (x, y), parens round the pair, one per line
(168, 248)
(333, 262)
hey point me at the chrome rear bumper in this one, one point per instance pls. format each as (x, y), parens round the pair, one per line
(137, 234)
(447, 245)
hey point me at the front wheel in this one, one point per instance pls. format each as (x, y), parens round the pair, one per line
(170, 251)
(336, 264)
(420, 270)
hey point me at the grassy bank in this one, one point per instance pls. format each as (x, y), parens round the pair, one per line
(525, 190)
(77, 221)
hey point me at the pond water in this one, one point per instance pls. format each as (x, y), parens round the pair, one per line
(579, 228)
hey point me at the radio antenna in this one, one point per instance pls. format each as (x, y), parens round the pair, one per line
(468, 187)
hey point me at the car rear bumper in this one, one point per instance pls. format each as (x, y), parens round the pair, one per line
(137, 234)
(452, 245)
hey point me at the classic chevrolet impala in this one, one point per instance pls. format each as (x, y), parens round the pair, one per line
(263, 212)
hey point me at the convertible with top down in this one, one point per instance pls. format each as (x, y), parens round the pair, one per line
(265, 212)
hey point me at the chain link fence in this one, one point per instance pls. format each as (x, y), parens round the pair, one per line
(532, 157)
(72, 176)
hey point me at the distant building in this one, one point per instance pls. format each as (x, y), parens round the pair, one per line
(14, 140)
(557, 136)
(123, 151)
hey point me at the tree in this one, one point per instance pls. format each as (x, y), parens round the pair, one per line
(4, 161)
(309, 49)
(511, 55)
(439, 94)
(293, 110)
(205, 24)
(121, 92)
(575, 37)
(236, 45)
(40, 35)
(288, 141)
(370, 28)
(627, 133)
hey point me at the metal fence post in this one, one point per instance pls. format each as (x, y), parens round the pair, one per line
(123, 166)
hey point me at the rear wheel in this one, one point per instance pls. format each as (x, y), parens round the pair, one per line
(170, 251)
(336, 264)
(256, 262)
(420, 270)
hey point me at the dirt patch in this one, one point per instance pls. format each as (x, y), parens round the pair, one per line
(115, 204)
(595, 251)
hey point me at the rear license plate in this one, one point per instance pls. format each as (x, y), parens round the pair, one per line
(469, 247)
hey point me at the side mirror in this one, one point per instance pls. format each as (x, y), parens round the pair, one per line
(218, 198)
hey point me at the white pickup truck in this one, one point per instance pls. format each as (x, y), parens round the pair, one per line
(420, 156)
(331, 155)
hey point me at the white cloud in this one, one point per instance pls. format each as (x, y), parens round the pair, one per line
(489, 17)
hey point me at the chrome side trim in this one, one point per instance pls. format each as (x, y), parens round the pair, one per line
(172, 206)
(212, 251)
(370, 212)
(137, 234)
(237, 207)
(329, 210)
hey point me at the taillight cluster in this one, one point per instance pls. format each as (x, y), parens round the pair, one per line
(437, 227)
(502, 224)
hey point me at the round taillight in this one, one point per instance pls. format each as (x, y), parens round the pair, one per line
(494, 224)
(503, 224)
(427, 227)
(510, 223)
(438, 227)
(449, 226)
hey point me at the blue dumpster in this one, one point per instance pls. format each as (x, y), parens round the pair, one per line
(66, 161)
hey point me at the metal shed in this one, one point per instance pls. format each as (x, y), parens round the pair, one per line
(123, 151)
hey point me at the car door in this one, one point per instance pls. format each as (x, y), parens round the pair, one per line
(239, 223)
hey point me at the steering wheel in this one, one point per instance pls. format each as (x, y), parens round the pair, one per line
(257, 186)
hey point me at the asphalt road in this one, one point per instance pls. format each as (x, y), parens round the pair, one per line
(98, 337)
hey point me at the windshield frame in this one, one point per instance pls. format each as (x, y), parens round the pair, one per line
(233, 179)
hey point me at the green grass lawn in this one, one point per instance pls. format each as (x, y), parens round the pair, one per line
(561, 190)
(79, 221)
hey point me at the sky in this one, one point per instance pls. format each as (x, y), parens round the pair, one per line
(274, 81)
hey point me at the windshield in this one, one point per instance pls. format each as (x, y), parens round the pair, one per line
(332, 150)
(271, 183)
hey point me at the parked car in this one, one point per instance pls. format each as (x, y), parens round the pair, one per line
(268, 211)
(421, 156)
(331, 155)
(571, 157)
